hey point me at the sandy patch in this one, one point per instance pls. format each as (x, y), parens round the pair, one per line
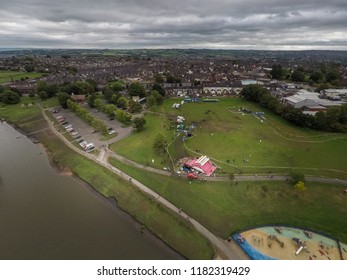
(315, 250)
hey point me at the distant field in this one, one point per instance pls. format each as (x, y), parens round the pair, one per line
(11, 76)
(241, 143)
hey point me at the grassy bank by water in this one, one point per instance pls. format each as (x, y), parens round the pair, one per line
(227, 207)
(162, 222)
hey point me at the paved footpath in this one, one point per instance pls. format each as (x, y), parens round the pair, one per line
(227, 250)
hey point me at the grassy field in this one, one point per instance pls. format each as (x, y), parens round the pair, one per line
(241, 142)
(26, 108)
(224, 207)
(166, 225)
(12, 76)
(141, 143)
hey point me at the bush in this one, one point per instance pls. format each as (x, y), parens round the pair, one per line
(297, 176)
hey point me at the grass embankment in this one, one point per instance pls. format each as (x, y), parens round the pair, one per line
(165, 224)
(224, 207)
(240, 142)
(12, 76)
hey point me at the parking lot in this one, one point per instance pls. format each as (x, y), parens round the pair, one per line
(122, 132)
(86, 132)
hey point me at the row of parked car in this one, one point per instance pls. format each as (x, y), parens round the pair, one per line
(68, 127)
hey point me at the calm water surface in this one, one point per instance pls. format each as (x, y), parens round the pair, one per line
(44, 215)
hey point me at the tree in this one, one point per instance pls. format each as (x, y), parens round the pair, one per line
(160, 143)
(93, 83)
(114, 98)
(159, 89)
(150, 101)
(298, 76)
(29, 68)
(300, 186)
(98, 103)
(297, 176)
(110, 110)
(122, 102)
(316, 76)
(123, 116)
(43, 95)
(134, 107)
(117, 86)
(9, 97)
(108, 93)
(63, 97)
(171, 79)
(159, 79)
(332, 76)
(136, 89)
(139, 123)
(276, 72)
(90, 100)
(154, 98)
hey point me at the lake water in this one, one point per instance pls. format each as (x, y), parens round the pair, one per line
(44, 215)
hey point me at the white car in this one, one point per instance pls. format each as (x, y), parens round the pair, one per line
(69, 129)
(74, 133)
(68, 126)
(83, 144)
(89, 146)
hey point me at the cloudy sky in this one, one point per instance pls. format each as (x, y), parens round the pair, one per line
(225, 24)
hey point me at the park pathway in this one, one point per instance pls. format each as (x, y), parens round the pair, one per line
(228, 250)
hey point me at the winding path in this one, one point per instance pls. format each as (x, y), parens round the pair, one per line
(228, 250)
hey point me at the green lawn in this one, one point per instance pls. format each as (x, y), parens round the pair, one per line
(226, 135)
(139, 145)
(25, 109)
(12, 76)
(224, 207)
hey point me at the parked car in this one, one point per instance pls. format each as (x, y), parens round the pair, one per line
(83, 144)
(111, 131)
(89, 146)
(74, 133)
(69, 129)
(64, 123)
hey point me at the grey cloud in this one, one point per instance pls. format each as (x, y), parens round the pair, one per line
(190, 23)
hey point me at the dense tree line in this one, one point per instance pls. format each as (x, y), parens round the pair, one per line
(8, 96)
(324, 75)
(334, 119)
(87, 116)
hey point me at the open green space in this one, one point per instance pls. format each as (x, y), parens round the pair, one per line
(139, 145)
(12, 76)
(26, 108)
(239, 142)
(227, 207)
(169, 227)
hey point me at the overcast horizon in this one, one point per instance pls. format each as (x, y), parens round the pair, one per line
(153, 24)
